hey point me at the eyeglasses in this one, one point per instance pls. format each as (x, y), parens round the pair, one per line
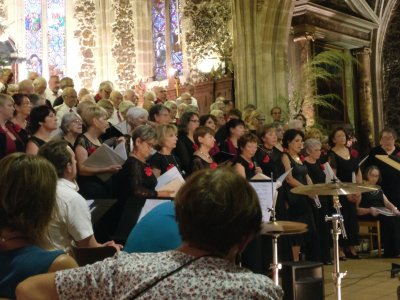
(77, 121)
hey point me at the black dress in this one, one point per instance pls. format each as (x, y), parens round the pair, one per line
(184, 151)
(199, 164)
(344, 172)
(390, 176)
(270, 161)
(136, 183)
(317, 175)
(249, 168)
(92, 187)
(300, 209)
(164, 162)
(390, 226)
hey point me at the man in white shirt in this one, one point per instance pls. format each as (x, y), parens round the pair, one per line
(73, 220)
(189, 89)
(53, 89)
(70, 98)
(116, 98)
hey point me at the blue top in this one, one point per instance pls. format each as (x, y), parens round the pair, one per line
(156, 232)
(19, 264)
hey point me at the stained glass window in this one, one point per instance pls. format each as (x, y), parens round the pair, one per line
(167, 50)
(159, 42)
(176, 48)
(56, 36)
(33, 32)
(50, 54)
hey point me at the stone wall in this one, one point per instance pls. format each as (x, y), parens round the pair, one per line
(391, 72)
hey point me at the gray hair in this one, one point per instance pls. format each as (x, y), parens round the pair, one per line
(135, 113)
(311, 144)
(144, 133)
(67, 119)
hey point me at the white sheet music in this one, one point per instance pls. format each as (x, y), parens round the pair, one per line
(171, 180)
(149, 206)
(265, 191)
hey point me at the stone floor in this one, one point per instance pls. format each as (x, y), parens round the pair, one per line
(366, 279)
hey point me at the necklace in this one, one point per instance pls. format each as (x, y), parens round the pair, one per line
(205, 155)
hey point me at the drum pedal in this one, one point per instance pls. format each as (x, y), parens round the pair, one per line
(395, 269)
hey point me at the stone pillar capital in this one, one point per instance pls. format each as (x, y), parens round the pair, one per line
(362, 51)
(304, 36)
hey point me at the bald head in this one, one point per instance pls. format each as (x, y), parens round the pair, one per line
(39, 85)
(25, 87)
(70, 96)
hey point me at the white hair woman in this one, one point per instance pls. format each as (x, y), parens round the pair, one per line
(71, 126)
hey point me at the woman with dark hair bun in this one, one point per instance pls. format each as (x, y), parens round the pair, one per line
(235, 129)
(300, 208)
(346, 168)
(186, 146)
(23, 108)
(43, 121)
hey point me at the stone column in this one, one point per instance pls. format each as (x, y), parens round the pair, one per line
(366, 120)
(144, 39)
(304, 46)
(260, 31)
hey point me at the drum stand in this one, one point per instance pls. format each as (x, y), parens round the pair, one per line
(337, 229)
(275, 266)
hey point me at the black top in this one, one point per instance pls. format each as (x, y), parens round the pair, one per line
(164, 162)
(137, 180)
(221, 135)
(38, 142)
(249, 168)
(19, 145)
(344, 167)
(270, 161)
(390, 176)
(199, 164)
(372, 199)
(184, 151)
(315, 171)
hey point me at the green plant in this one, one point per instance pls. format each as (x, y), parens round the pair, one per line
(323, 67)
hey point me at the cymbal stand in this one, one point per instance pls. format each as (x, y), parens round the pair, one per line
(275, 266)
(337, 229)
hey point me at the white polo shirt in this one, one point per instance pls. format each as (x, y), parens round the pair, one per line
(73, 220)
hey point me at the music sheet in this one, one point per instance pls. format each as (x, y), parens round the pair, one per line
(149, 205)
(265, 191)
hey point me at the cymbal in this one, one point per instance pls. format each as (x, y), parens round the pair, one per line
(283, 228)
(333, 189)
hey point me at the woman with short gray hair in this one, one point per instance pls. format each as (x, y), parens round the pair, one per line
(135, 117)
(316, 172)
(71, 126)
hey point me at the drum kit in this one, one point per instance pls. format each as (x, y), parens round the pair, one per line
(277, 228)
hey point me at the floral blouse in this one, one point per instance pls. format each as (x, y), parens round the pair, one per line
(126, 276)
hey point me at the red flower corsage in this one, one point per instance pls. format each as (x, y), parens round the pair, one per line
(195, 147)
(322, 167)
(170, 166)
(91, 150)
(148, 171)
(17, 128)
(354, 153)
(266, 159)
(398, 154)
(302, 158)
(213, 165)
(251, 166)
